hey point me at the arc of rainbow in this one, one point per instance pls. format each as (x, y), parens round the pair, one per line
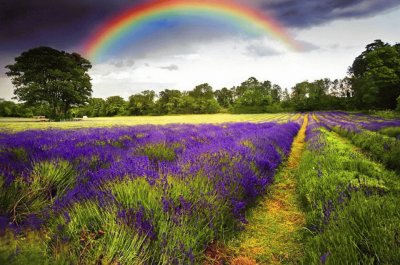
(136, 17)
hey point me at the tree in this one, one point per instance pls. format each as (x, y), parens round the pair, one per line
(276, 93)
(252, 96)
(142, 104)
(115, 105)
(375, 76)
(168, 101)
(204, 100)
(299, 96)
(45, 75)
(203, 91)
(225, 97)
(8, 108)
(96, 107)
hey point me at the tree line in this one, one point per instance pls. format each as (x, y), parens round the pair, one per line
(64, 90)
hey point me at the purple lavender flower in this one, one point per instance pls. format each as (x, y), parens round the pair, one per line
(324, 257)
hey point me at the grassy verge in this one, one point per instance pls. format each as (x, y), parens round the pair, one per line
(351, 204)
(273, 232)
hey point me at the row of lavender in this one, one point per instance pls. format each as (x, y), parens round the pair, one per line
(350, 202)
(137, 195)
(358, 120)
(366, 133)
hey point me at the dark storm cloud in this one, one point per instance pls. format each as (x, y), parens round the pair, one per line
(66, 24)
(302, 14)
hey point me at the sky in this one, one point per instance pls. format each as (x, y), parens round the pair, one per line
(182, 53)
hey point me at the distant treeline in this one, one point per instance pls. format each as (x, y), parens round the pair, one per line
(373, 83)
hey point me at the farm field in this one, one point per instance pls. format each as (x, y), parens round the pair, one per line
(312, 188)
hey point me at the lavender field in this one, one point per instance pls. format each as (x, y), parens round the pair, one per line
(165, 194)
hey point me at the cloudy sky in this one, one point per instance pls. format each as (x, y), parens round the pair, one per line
(181, 54)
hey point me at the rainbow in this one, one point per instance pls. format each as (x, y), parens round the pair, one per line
(131, 20)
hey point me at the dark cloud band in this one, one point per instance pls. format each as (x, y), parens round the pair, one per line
(65, 24)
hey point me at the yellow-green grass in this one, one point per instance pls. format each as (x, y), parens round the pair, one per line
(274, 231)
(18, 124)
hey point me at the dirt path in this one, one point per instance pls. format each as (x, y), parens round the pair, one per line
(273, 232)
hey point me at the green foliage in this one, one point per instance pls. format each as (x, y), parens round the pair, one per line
(54, 177)
(253, 96)
(48, 181)
(198, 101)
(142, 104)
(375, 76)
(203, 91)
(45, 75)
(26, 249)
(391, 131)
(12, 109)
(322, 94)
(8, 109)
(350, 204)
(168, 101)
(115, 105)
(170, 226)
(96, 107)
(365, 232)
(398, 104)
(160, 152)
(225, 97)
(95, 236)
(386, 114)
(383, 148)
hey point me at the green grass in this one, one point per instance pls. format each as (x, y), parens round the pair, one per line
(381, 147)
(351, 205)
(47, 182)
(386, 114)
(273, 232)
(18, 124)
(391, 131)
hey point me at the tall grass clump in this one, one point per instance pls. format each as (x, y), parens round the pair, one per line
(27, 196)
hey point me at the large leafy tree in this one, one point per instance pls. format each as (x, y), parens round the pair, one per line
(142, 104)
(253, 96)
(375, 76)
(115, 105)
(46, 75)
(204, 100)
(168, 101)
(225, 97)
